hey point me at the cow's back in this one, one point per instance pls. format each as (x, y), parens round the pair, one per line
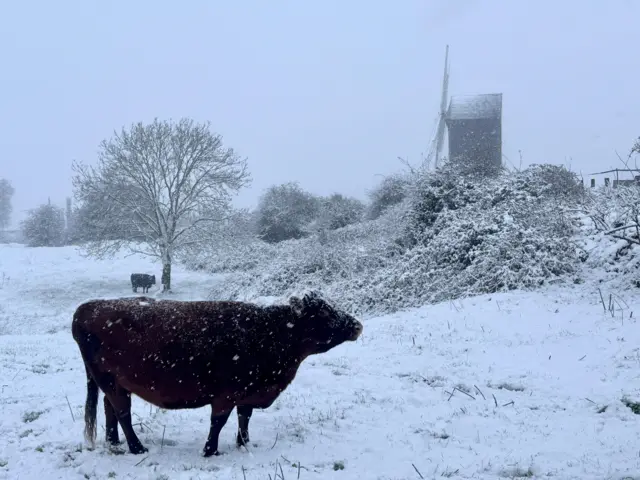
(93, 315)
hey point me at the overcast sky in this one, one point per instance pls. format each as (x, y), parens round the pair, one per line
(325, 92)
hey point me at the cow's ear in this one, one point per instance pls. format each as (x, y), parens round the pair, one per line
(312, 296)
(312, 300)
(297, 305)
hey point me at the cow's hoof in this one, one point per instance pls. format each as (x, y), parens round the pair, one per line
(138, 449)
(240, 442)
(209, 453)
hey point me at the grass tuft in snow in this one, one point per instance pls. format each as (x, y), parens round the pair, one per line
(506, 386)
(32, 416)
(634, 406)
(517, 472)
(339, 465)
(449, 473)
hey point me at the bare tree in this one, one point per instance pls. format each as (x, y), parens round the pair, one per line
(156, 189)
(6, 192)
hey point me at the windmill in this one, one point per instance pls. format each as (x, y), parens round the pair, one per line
(437, 142)
(473, 124)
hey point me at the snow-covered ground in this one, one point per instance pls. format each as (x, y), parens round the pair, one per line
(509, 385)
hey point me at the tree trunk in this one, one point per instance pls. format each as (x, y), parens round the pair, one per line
(166, 270)
(166, 277)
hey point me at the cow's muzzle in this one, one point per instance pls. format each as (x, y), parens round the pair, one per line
(357, 331)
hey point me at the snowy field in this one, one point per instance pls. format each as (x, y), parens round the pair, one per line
(504, 386)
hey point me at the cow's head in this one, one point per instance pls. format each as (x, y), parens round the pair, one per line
(153, 279)
(321, 324)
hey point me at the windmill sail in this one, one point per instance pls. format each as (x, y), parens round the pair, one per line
(437, 143)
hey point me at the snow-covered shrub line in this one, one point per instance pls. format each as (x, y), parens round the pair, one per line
(451, 236)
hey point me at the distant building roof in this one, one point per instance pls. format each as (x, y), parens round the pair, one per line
(473, 107)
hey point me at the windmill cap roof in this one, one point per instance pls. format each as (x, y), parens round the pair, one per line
(473, 107)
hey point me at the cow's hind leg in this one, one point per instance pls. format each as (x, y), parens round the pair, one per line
(120, 400)
(217, 422)
(111, 421)
(244, 415)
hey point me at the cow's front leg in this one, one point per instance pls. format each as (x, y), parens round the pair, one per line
(218, 421)
(244, 415)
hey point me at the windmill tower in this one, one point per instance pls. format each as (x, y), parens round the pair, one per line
(474, 128)
(473, 124)
(437, 142)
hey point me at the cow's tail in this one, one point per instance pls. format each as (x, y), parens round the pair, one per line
(88, 345)
(90, 411)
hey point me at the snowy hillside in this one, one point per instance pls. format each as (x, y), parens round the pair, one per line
(510, 385)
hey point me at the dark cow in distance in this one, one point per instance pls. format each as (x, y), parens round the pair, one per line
(142, 280)
(189, 354)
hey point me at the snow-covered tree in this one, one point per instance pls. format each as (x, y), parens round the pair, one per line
(89, 224)
(44, 226)
(6, 193)
(157, 189)
(284, 211)
(338, 211)
(236, 233)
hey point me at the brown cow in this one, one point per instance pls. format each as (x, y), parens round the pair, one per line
(176, 354)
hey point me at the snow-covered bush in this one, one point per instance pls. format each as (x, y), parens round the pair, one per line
(611, 232)
(391, 191)
(467, 237)
(615, 211)
(284, 212)
(338, 211)
(226, 242)
(338, 263)
(451, 236)
(611, 229)
(483, 166)
(446, 191)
